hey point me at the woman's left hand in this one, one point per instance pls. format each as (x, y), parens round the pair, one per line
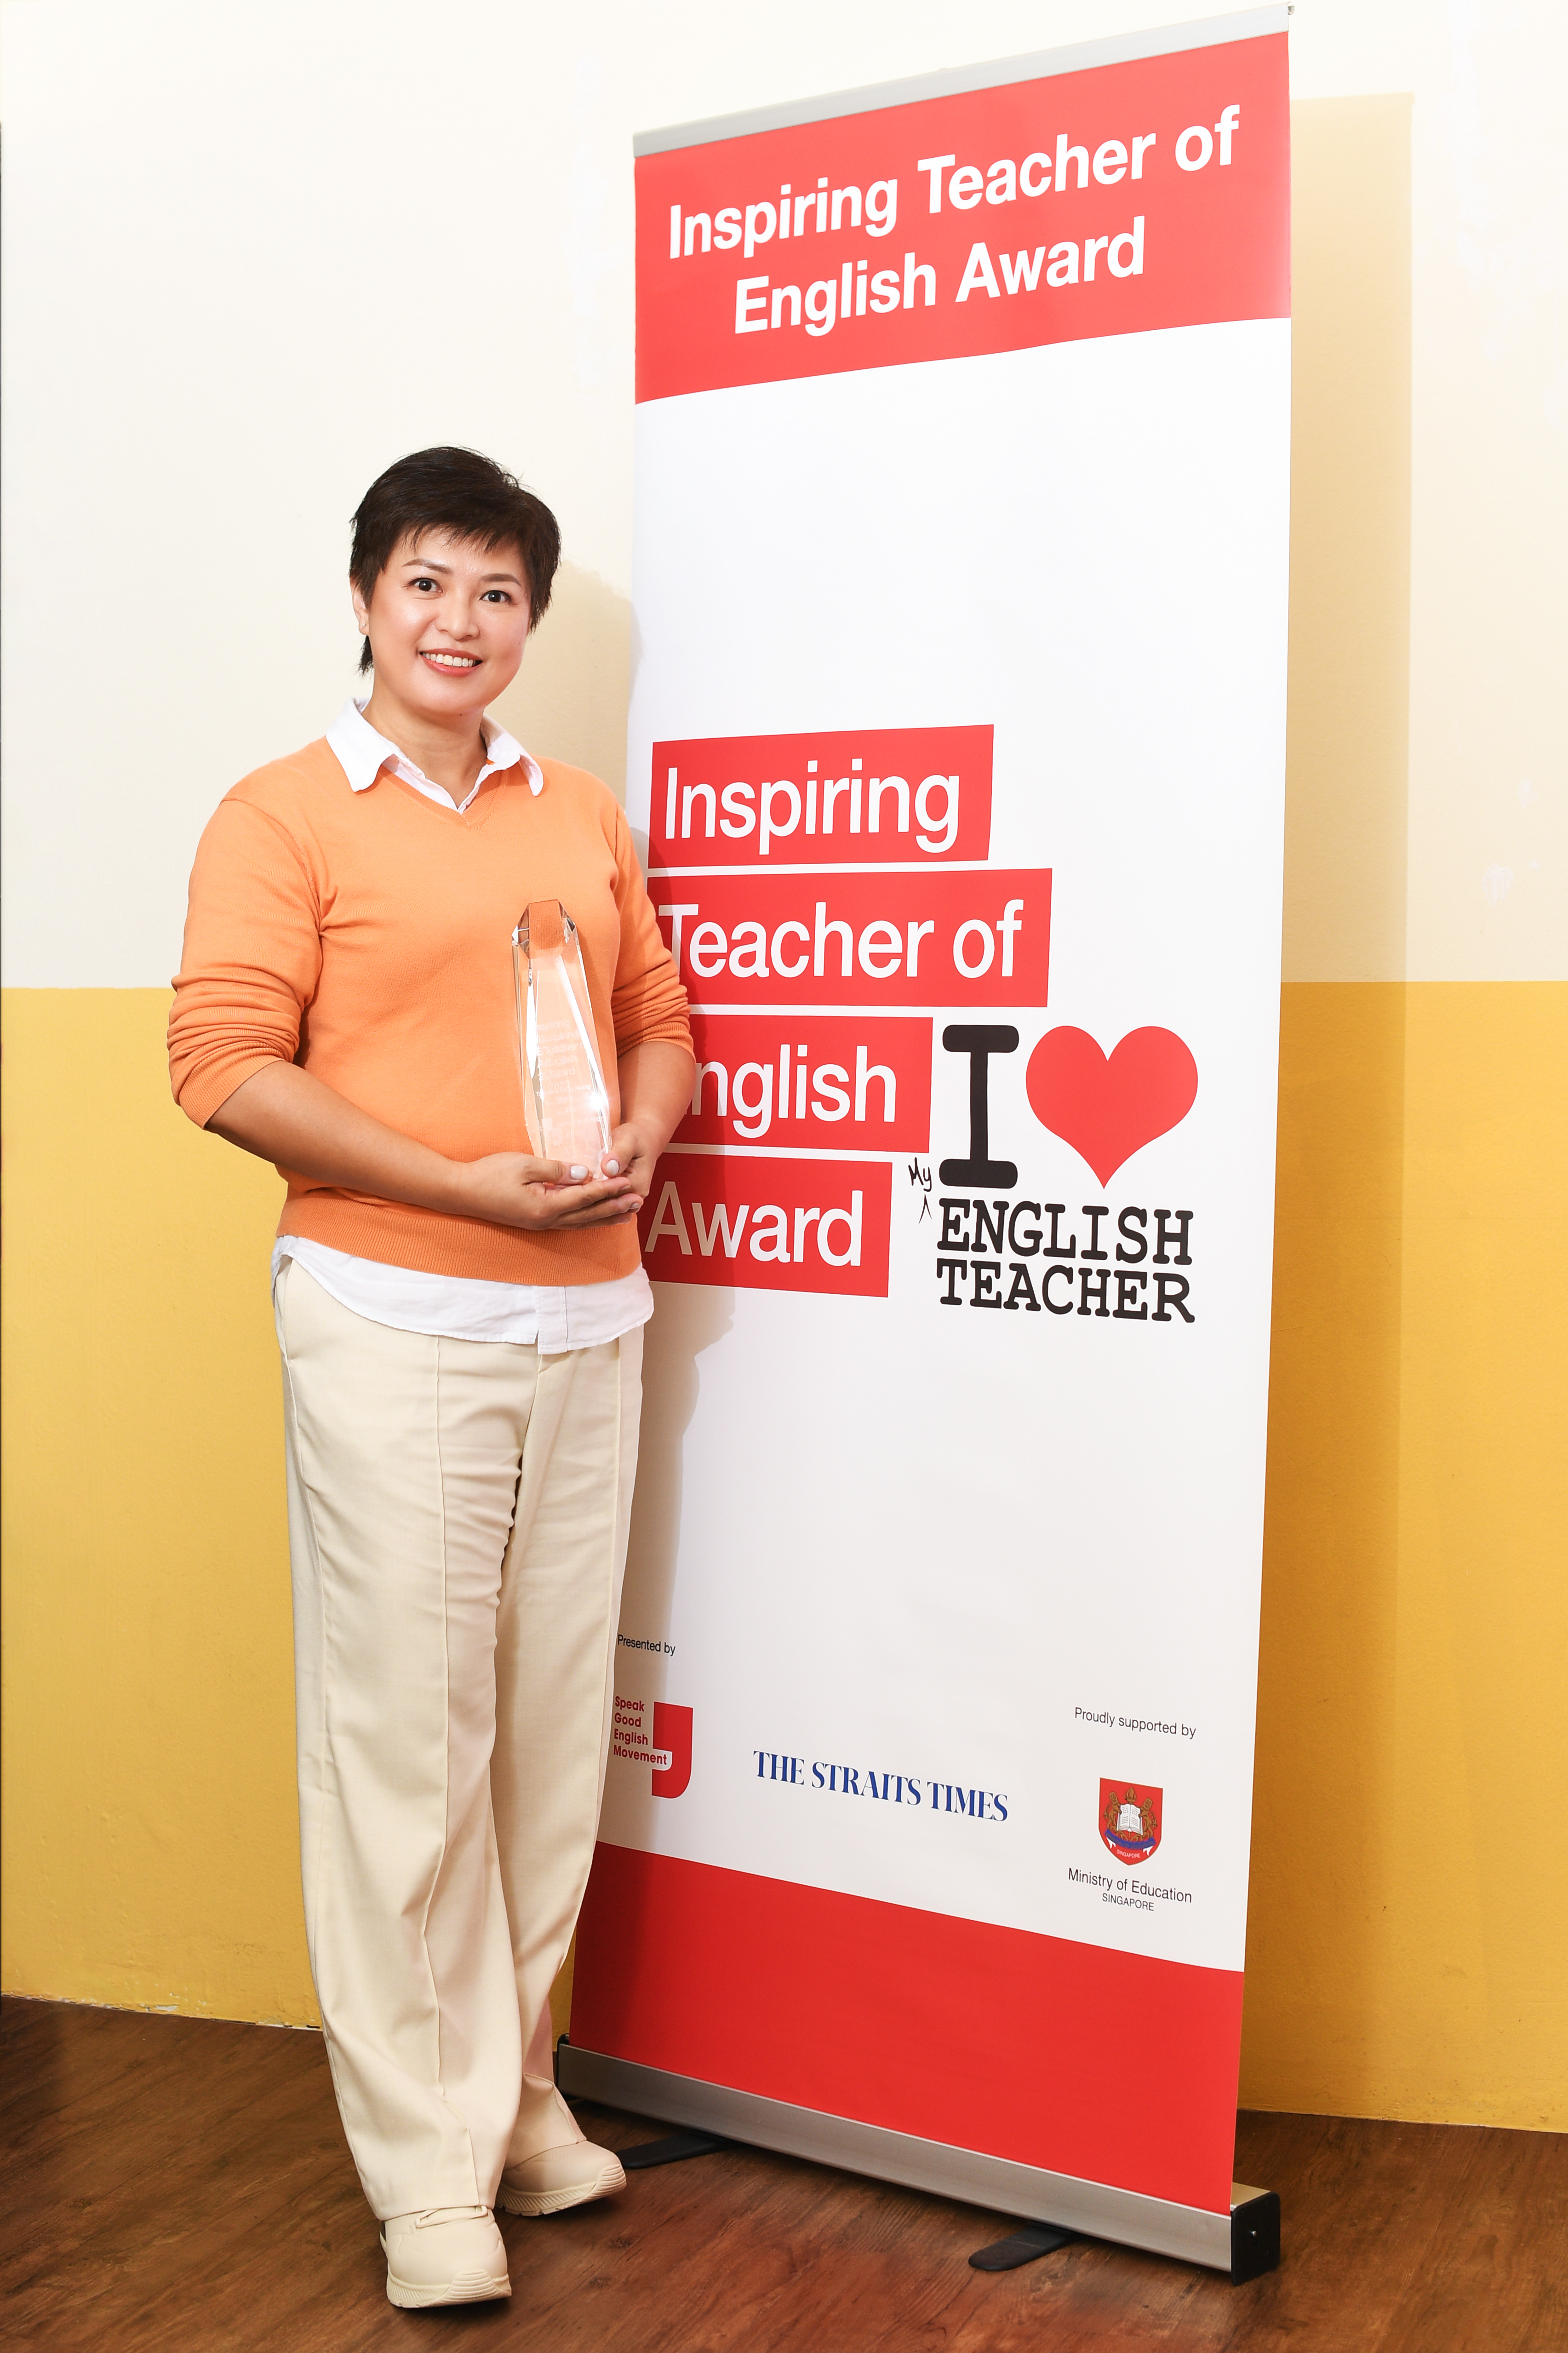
(632, 1154)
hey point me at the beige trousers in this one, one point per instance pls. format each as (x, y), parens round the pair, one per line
(458, 1514)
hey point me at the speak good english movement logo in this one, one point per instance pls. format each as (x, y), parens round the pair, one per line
(1131, 1814)
(665, 1743)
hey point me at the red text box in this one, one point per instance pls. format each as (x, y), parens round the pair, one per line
(918, 939)
(756, 1224)
(1140, 194)
(876, 797)
(850, 1085)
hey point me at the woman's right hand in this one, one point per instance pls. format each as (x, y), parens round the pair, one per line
(509, 1188)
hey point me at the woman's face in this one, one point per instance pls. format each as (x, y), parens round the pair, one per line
(447, 622)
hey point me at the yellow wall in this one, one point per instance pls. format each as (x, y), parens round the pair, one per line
(146, 1737)
(150, 1851)
(1407, 1918)
(1408, 1914)
(1408, 1909)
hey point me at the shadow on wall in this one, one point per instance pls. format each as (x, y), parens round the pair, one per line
(1318, 1962)
(1347, 749)
(569, 700)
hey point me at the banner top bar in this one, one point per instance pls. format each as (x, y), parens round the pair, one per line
(1210, 32)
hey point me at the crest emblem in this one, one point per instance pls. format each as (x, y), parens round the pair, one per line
(1131, 1816)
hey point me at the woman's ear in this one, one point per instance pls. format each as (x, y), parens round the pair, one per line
(361, 610)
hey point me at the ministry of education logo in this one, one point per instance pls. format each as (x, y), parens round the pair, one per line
(1130, 1814)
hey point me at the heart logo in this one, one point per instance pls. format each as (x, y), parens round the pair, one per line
(1109, 1110)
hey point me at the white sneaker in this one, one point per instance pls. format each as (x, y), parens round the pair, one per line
(559, 2177)
(446, 2255)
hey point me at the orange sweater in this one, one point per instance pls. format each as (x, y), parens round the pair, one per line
(368, 936)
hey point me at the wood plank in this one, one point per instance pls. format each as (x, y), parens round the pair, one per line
(180, 2184)
(1485, 2287)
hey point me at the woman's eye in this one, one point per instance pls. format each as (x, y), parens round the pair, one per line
(422, 583)
(499, 595)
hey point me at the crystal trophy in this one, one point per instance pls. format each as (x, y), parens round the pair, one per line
(561, 1077)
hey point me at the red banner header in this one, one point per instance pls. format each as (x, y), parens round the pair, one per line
(1130, 197)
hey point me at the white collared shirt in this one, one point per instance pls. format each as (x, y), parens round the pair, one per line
(362, 754)
(551, 1318)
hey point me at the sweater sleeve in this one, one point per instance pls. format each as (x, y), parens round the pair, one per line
(251, 961)
(648, 999)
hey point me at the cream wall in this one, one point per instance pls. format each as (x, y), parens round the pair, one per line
(254, 253)
(251, 256)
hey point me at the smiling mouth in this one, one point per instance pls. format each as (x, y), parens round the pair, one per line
(453, 663)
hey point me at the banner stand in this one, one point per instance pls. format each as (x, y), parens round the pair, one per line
(1244, 2243)
(956, 758)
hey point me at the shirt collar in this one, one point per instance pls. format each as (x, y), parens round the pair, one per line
(362, 753)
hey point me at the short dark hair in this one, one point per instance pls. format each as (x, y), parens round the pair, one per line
(464, 492)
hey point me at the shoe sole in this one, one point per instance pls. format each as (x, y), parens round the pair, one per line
(605, 2184)
(468, 2287)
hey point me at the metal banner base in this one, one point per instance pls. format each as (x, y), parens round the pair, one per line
(1245, 2242)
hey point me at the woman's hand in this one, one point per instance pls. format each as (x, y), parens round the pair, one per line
(634, 1146)
(656, 1089)
(286, 1115)
(508, 1188)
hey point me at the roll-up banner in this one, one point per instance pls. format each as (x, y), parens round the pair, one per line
(958, 741)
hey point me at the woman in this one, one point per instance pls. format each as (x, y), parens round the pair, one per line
(460, 1324)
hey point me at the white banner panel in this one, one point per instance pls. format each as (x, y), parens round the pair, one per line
(958, 739)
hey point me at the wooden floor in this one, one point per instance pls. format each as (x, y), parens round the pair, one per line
(183, 2183)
